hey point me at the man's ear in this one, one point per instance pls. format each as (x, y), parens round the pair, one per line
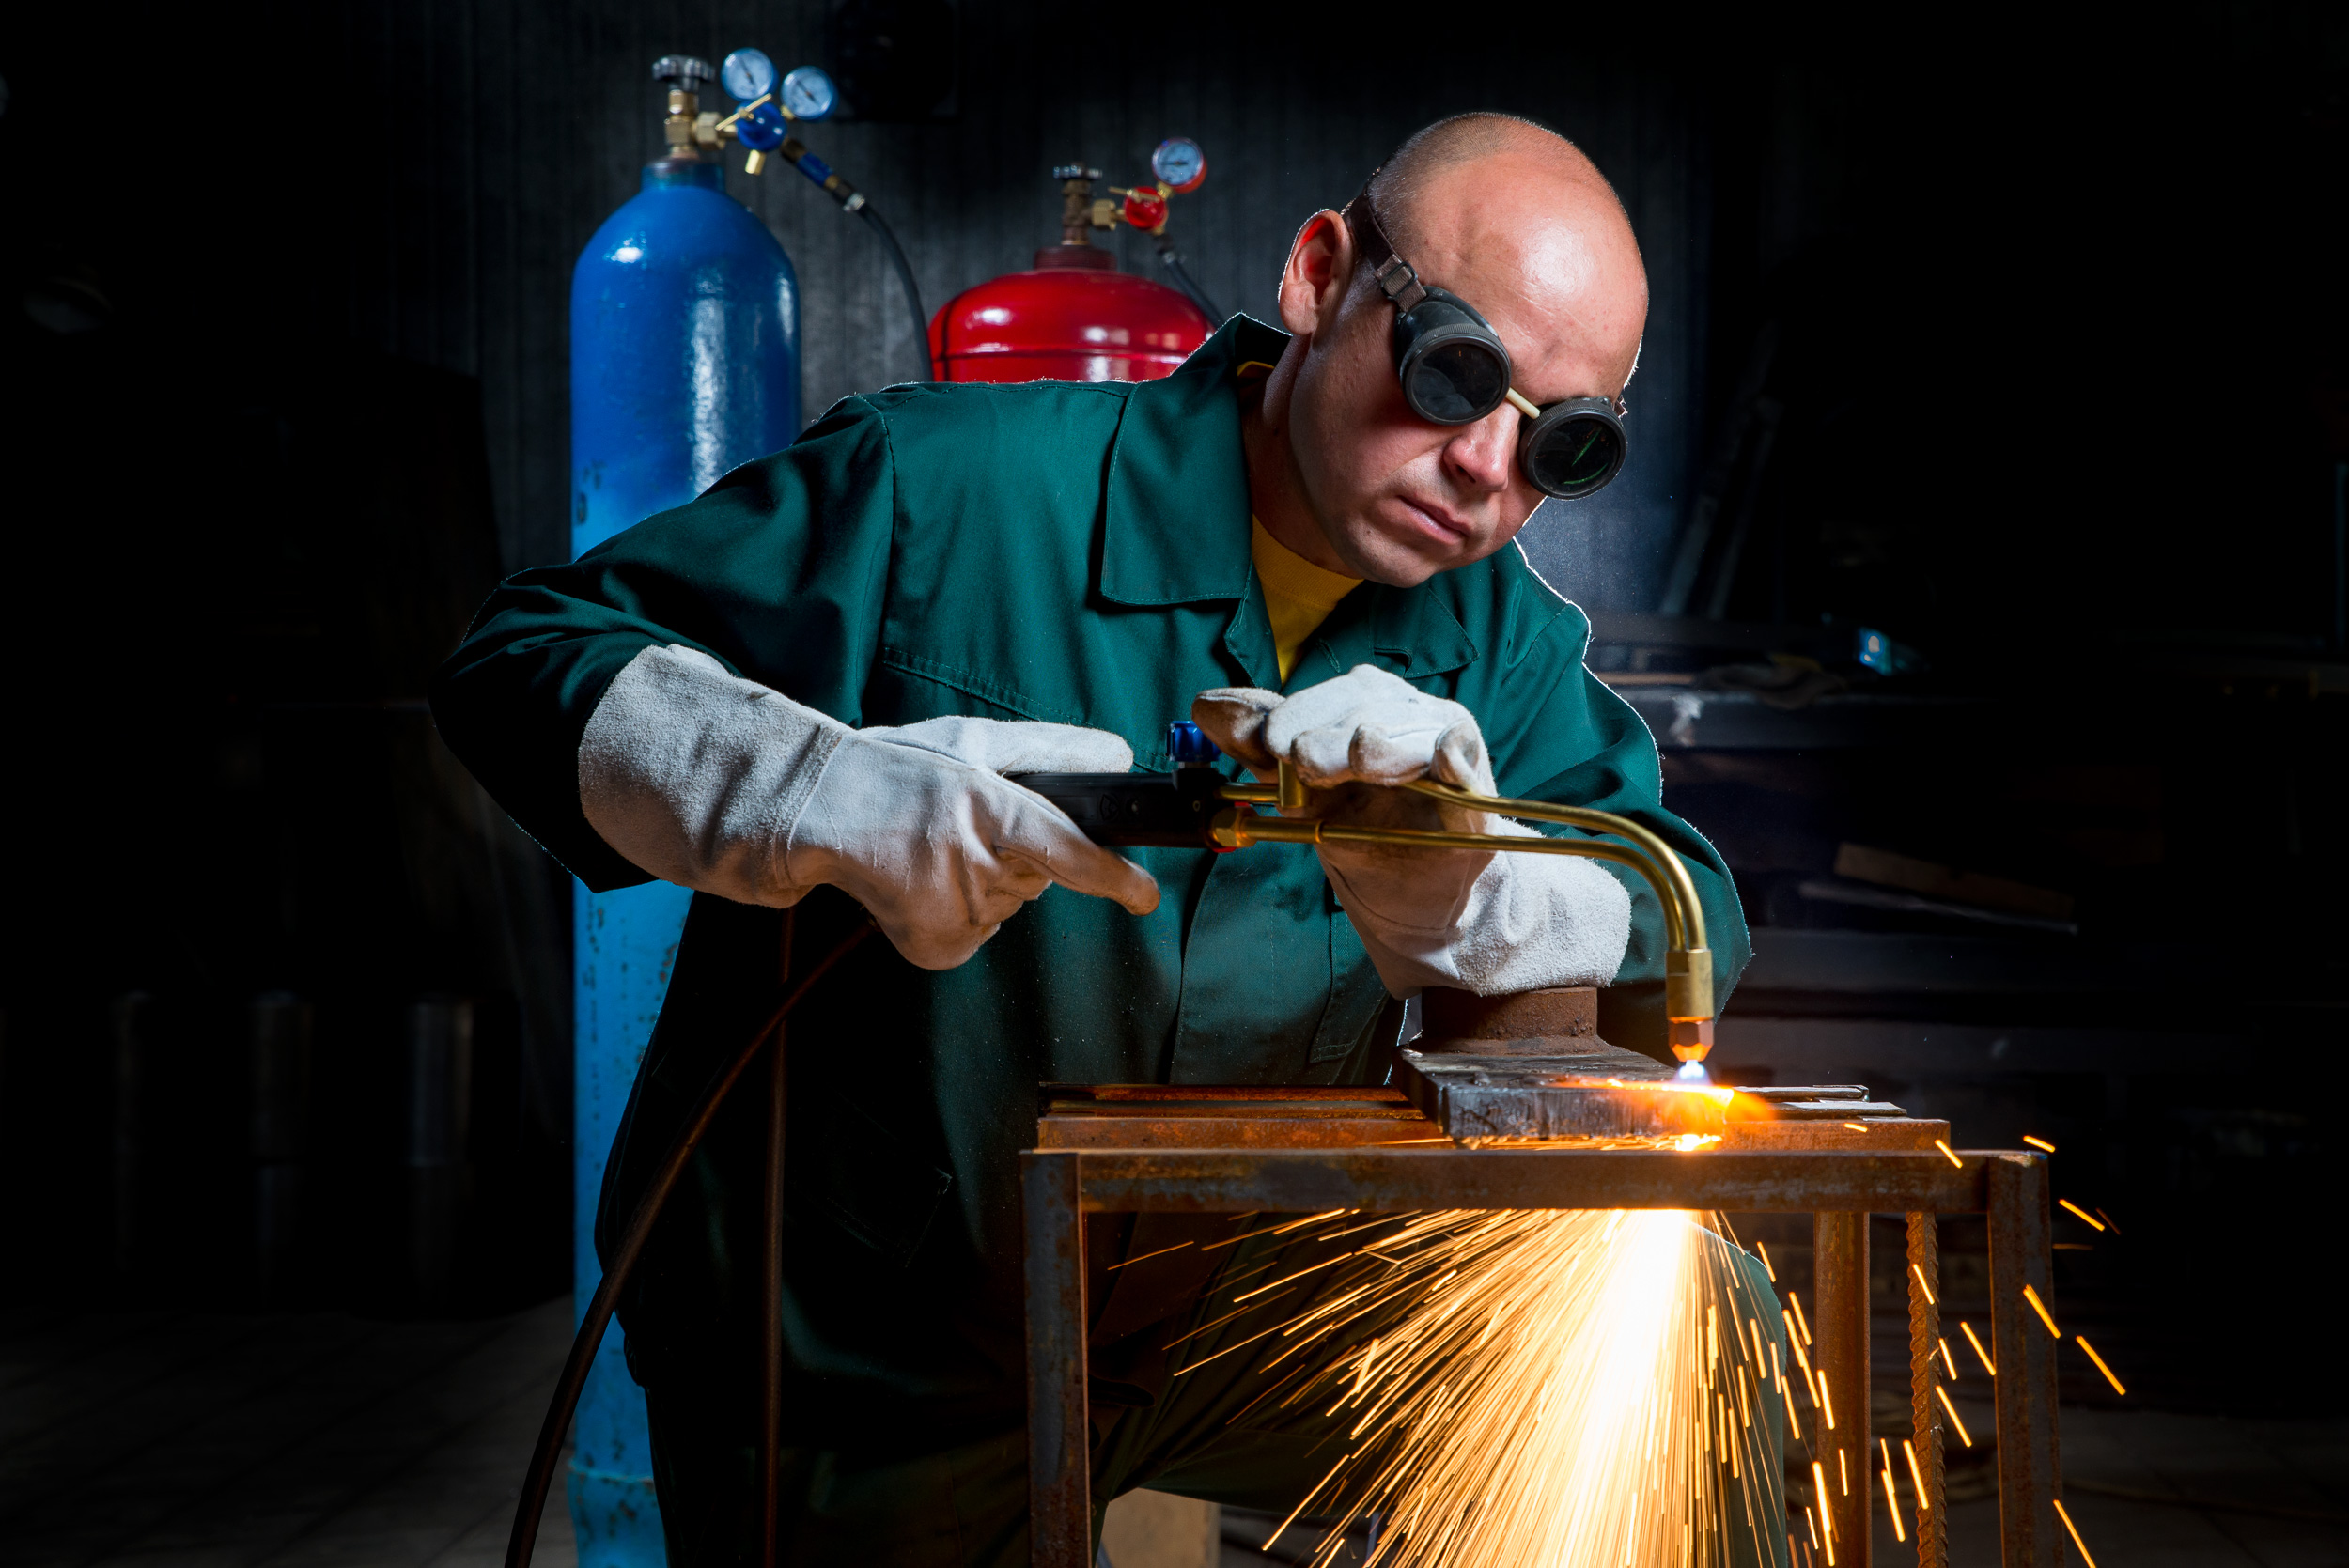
(1320, 264)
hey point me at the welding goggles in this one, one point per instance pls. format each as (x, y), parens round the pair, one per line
(1454, 370)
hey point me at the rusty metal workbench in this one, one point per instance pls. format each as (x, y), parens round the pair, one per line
(1147, 1148)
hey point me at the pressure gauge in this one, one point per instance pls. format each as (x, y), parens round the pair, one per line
(1179, 164)
(807, 94)
(748, 73)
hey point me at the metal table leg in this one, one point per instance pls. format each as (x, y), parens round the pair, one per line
(1924, 1411)
(2030, 1535)
(1840, 1283)
(1059, 1484)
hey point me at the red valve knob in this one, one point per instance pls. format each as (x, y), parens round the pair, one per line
(1146, 210)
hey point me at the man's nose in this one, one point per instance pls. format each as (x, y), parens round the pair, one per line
(1480, 454)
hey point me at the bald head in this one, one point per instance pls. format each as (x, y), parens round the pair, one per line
(1434, 153)
(1514, 220)
(1500, 197)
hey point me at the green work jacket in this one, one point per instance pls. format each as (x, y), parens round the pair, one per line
(1063, 551)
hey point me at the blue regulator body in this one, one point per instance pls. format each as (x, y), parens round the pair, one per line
(685, 363)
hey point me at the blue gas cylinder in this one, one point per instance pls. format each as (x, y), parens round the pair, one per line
(685, 363)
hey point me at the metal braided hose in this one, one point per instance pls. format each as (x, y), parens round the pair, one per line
(1924, 1416)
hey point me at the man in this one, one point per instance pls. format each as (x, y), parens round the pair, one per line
(802, 691)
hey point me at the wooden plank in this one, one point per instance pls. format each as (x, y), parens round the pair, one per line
(1234, 1132)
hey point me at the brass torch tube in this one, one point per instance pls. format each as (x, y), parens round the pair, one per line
(1675, 889)
(1250, 829)
(1688, 1003)
(1683, 889)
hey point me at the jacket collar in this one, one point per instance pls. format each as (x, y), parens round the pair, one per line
(1175, 514)
(1175, 529)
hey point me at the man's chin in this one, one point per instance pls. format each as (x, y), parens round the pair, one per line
(1378, 556)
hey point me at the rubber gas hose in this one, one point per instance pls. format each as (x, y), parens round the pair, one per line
(539, 1479)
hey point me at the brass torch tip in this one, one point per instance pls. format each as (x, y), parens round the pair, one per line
(1690, 1038)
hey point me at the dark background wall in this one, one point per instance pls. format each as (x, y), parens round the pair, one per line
(2042, 314)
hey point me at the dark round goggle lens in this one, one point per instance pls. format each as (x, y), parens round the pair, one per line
(1456, 382)
(1574, 457)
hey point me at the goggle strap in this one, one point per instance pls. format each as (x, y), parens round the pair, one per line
(1396, 279)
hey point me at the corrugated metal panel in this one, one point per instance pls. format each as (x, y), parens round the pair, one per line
(498, 134)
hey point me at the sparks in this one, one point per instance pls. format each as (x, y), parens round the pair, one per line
(1891, 1493)
(1988, 1364)
(1146, 1256)
(1842, 1468)
(1943, 1144)
(2038, 1142)
(1546, 1388)
(1855, 1126)
(1959, 1421)
(2083, 1344)
(1827, 1403)
(2041, 1308)
(1795, 1302)
(1763, 1248)
(1947, 1359)
(1930, 1301)
(2066, 1517)
(1917, 1474)
(2081, 1212)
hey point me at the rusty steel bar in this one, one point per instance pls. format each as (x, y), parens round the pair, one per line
(2029, 1462)
(1306, 1181)
(1924, 1412)
(1839, 1188)
(1060, 1484)
(1839, 1290)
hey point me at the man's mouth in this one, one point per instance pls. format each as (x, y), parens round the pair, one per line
(1441, 526)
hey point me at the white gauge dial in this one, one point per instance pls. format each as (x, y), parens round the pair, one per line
(748, 73)
(807, 93)
(1179, 163)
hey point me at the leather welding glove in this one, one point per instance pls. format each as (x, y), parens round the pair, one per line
(726, 786)
(1473, 920)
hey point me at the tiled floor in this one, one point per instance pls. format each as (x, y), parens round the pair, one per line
(2153, 1490)
(329, 1442)
(290, 1442)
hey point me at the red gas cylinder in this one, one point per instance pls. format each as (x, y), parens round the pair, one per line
(1073, 319)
